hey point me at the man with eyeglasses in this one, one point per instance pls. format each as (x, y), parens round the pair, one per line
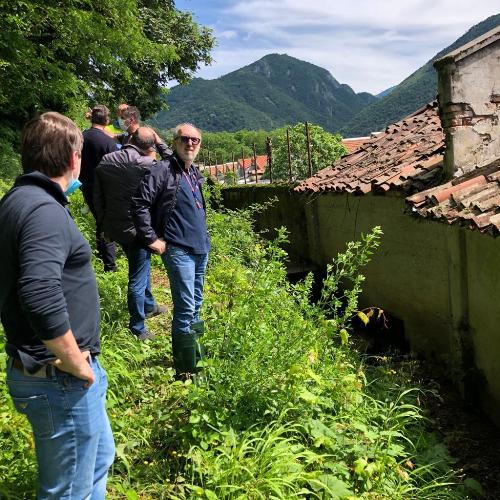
(169, 216)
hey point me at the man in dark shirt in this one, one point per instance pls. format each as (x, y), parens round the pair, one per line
(131, 121)
(169, 215)
(50, 312)
(117, 178)
(97, 143)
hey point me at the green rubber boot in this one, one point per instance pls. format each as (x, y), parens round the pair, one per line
(184, 349)
(198, 329)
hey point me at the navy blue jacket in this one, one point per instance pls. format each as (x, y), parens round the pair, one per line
(156, 197)
(48, 285)
(117, 178)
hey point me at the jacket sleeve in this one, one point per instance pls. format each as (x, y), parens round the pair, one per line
(44, 247)
(99, 204)
(143, 201)
(163, 150)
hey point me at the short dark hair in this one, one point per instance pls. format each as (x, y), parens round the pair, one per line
(100, 115)
(48, 142)
(143, 138)
(132, 112)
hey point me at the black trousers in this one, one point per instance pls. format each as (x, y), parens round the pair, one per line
(105, 251)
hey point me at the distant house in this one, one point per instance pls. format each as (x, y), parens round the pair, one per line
(247, 165)
(353, 143)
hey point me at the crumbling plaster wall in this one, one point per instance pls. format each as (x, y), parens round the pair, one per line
(469, 96)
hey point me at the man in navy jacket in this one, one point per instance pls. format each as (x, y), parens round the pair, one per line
(169, 216)
(117, 178)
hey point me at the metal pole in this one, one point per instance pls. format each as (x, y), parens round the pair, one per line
(243, 160)
(269, 148)
(216, 168)
(308, 140)
(289, 156)
(234, 171)
(255, 162)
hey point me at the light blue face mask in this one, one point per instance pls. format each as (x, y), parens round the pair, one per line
(73, 186)
(122, 124)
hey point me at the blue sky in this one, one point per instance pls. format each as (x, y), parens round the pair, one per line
(367, 44)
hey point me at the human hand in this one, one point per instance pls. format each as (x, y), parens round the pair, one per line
(82, 370)
(159, 246)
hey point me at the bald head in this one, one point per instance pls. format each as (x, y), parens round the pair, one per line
(144, 139)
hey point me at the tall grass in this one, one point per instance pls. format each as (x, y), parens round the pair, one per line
(286, 409)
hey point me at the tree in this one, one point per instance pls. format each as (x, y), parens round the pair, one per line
(326, 149)
(66, 54)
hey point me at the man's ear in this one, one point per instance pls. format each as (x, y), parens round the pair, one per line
(74, 162)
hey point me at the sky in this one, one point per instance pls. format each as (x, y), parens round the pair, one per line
(370, 45)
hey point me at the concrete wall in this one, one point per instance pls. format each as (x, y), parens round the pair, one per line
(483, 272)
(469, 95)
(440, 280)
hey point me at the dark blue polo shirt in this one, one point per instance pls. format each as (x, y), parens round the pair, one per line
(187, 225)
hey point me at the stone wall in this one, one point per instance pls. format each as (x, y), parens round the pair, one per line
(469, 97)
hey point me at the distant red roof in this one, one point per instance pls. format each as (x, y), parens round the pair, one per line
(353, 143)
(248, 162)
(471, 201)
(408, 155)
(221, 168)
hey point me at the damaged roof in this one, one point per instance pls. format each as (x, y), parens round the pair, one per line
(407, 156)
(472, 200)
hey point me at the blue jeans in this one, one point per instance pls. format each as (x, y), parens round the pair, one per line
(73, 440)
(186, 273)
(140, 299)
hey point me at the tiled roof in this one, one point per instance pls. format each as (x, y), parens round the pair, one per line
(261, 163)
(471, 200)
(221, 168)
(353, 143)
(408, 156)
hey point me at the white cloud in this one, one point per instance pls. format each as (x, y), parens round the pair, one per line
(370, 45)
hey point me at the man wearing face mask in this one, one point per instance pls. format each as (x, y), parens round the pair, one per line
(117, 178)
(97, 143)
(49, 307)
(129, 123)
(169, 215)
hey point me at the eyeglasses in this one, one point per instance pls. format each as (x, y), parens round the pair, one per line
(186, 138)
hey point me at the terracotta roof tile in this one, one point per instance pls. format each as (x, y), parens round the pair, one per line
(354, 143)
(471, 201)
(408, 155)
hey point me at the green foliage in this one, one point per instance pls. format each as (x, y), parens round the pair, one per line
(284, 409)
(276, 90)
(326, 148)
(415, 91)
(61, 55)
(10, 161)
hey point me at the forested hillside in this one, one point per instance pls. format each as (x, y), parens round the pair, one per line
(272, 92)
(417, 90)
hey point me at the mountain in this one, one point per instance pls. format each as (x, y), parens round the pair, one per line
(386, 92)
(269, 93)
(418, 89)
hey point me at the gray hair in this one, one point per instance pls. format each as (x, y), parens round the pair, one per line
(186, 124)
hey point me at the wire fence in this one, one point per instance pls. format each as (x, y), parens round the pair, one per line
(254, 168)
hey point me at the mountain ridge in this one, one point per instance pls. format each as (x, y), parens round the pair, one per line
(274, 91)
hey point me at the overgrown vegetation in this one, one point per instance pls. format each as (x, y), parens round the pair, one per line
(286, 409)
